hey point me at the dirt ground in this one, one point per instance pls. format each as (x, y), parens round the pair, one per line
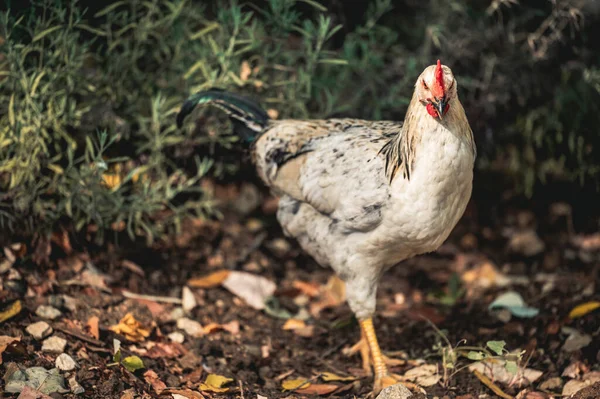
(432, 311)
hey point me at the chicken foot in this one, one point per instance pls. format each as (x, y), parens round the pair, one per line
(368, 347)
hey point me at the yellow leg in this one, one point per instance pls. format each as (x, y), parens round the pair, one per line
(382, 377)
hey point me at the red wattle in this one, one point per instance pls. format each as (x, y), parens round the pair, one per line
(431, 110)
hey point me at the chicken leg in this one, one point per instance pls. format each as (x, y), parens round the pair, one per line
(368, 347)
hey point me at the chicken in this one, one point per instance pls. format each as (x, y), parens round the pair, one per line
(361, 196)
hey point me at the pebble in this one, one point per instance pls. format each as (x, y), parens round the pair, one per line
(39, 330)
(48, 312)
(76, 388)
(65, 362)
(54, 344)
(396, 391)
(191, 327)
(188, 300)
(177, 313)
(177, 337)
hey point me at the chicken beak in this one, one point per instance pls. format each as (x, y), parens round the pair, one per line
(440, 106)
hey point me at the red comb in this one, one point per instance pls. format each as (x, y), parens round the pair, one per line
(439, 75)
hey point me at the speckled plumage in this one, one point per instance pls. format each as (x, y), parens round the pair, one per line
(343, 200)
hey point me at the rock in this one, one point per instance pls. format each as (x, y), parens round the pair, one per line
(396, 391)
(45, 381)
(54, 345)
(191, 327)
(176, 337)
(65, 362)
(48, 312)
(177, 314)
(39, 330)
(76, 388)
(188, 300)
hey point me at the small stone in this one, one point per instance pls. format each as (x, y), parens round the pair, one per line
(54, 345)
(65, 362)
(188, 300)
(396, 391)
(177, 337)
(39, 330)
(76, 388)
(191, 327)
(177, 314)
(48, 312)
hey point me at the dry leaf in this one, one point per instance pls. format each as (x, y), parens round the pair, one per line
(318, 389)
(184, 393)
(10, 311)
(128, 394)
(30, 393)
(214, 383)
(253, 289)
(293, 324)
(232, 327)
(484, 275)
(165, 350)
(131, 329)
(309, 289)
(333, 294)
(133, 267)
(92, 326)
(583, 309)
(294, 384)
(425, 375)
(212, 280)
(494, 369)
(326, 376)
(5, 341)
(152, 378)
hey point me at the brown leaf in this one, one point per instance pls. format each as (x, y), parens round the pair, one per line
(152, 378)
(318, 389)
(212, 280)
(92, 327)
(134, 268)
(165, 350)
(309, 289)
(232, 327)
(293, 324)
(30, 393)
(332, 294)
(327, 376)
(186, 393)
(5, 342)
(62, 240)
(131, 329)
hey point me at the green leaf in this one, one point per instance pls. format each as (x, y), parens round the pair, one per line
(475, 355)
(511, 367)
(496, 346)
(117, 356)
(133, 363)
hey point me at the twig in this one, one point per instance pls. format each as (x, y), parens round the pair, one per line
(80, 336)
(488, 383)
(165, 299)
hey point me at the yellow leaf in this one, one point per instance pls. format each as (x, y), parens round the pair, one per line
(293, 324)
(214, 383)
(326, 376)
(132, 329)
(212, 280)
(10, 311)
(583, 309)
(298, 383)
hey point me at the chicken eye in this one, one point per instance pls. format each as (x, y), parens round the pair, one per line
(425, 85)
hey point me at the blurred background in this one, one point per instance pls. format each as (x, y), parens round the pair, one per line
(89, 92)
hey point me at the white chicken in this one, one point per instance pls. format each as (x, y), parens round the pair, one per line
(361, 196)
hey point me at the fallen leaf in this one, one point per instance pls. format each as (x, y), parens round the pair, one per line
(133, 267)
(496, 370)
(514, 302)
(30, 393)
(583, 309)
(128, 394)
(232, 327)
(133, 363)
(152, 378)
(212, 280)
(214, 383)
(7, 342)
(293, 324)
(165, 350)
(132, 329)
(253, 289)
(327, 376)
(575, 369)
(484, 275)
(332, 294)
(318, 389)
(575, 340)
(293, 384)
(308, 289)
(92, 326)
(185, 393)
(10, 311)
(425, 375)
